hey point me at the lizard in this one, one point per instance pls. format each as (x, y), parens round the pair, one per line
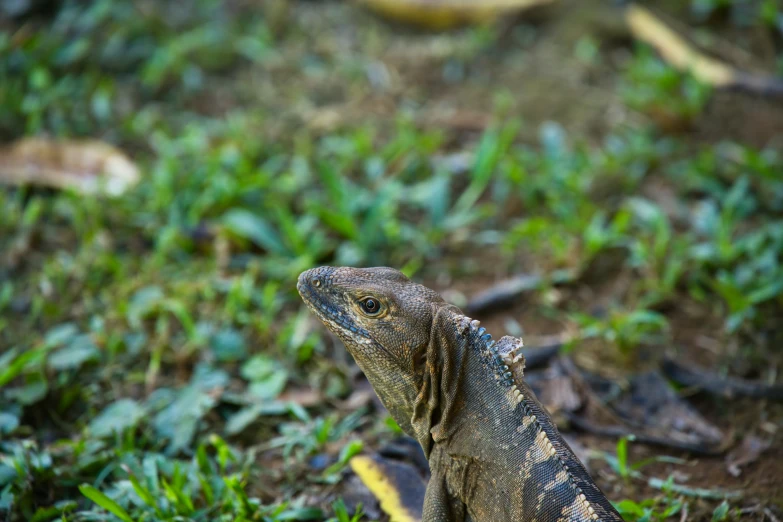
(494, 453)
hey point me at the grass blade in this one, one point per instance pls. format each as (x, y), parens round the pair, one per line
(105, 502)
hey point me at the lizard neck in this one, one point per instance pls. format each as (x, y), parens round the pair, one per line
(455, 356)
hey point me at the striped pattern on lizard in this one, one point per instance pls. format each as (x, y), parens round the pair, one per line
(494, 452)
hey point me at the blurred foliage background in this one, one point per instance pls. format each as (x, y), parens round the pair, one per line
(155, 360)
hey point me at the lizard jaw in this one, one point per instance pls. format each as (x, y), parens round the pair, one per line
(335, 320)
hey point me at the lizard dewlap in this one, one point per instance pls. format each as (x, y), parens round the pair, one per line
(495, 455)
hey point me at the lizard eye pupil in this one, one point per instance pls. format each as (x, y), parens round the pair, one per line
(371, 306)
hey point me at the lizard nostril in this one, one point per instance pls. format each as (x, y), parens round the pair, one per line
(316, 282)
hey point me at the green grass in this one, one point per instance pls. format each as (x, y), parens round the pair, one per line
(153, 345)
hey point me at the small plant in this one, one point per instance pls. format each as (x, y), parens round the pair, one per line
(624, 329)
(305, 439)
(650, 509)
(341, 512)
(332, 474)
(672, 99)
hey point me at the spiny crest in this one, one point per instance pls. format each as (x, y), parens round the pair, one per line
(503, 356)
(508, 364)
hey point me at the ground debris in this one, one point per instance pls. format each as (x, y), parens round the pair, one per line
(652, 403)
(644, 407)
(749, 450)
(445, 14)
(728, 387)
(85, 166)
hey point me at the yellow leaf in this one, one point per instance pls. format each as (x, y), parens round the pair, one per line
(397, 486)
(445, 14)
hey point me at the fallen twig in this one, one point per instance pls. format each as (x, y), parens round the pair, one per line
(508, 290)
(680, 54)
(729, 387)
(620, 431)
(503, 293)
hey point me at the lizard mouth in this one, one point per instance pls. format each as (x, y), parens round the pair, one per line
(338, 322)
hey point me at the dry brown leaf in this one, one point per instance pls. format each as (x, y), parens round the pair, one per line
(86, 166)
(558, 393)
(747, 452)
(358, 399)
(397, 486)
(306, 397)
(445, 14)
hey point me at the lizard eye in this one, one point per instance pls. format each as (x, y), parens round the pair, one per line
(370, 305)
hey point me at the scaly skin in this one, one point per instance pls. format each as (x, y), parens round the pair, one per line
(494, 453)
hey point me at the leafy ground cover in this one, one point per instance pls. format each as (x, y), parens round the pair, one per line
(155, 361)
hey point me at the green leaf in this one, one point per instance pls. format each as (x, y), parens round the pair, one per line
(178, 422)
(19, 364)
(258, 368)
(116, 418)
(553, 139)
(79, 350)
(183, 502)
(61, 334)
(242, 419)
(343, 224)
(7, 474)
(335, 187)
(767, 292)
(271, 386)
(629, 507)
(6, 497)
(180, 310)
(483, 168)
(622, 457)
(350, 450)
(732, 294)
(143, 493)
(105, 502)
(247, 225)
(32, 392)
(144, 301)
(8, 423)
(228, 345)
(308, 513)
(44, 514)
(721, 512)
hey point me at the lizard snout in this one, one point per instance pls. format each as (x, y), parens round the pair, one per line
(313, 279)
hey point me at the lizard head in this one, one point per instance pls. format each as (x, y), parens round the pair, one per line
(383, 317)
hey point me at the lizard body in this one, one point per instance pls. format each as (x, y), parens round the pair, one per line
(495, 455)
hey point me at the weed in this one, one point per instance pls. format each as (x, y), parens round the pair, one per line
(672, 99)
(624, 329)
